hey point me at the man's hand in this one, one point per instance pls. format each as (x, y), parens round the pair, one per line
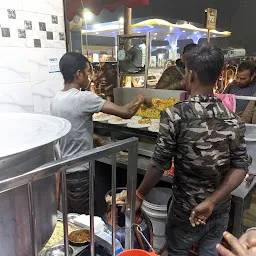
(138, 204)
(245, 246)
(201, 213)
(148, 102)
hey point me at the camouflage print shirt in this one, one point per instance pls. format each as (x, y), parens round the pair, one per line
(206, 140)
(171, 79)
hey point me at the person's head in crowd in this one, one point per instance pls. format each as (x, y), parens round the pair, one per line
(203, 68)
(186, 49)
(245, 74)
(76, 70)
(179, 63)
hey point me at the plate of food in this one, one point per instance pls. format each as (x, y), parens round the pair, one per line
(101, 117)
(154, 128)
(155, 121)
(136, 118)
(143, 123)
(79, 237)
(119, 120)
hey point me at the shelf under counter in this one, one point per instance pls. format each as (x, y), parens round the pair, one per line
(143, 162)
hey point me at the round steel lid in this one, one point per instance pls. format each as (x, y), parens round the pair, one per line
(22, 131)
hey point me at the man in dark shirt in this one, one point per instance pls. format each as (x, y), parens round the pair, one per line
(207, 143)
(244, 84)
(172, 76)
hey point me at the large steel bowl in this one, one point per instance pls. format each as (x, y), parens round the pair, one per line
(27, 142)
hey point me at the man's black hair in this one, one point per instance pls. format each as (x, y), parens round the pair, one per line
(179, 63)
(247, 65)
(70, 63)
(207, 61)
(189, 47)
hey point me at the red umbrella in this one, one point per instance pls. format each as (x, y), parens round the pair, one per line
(75, 7)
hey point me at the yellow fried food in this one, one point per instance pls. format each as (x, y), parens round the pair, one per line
(149, 113)
(158, 106)
(57, 235)
(144, 121)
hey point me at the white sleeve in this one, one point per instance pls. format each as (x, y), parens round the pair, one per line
(89, 103)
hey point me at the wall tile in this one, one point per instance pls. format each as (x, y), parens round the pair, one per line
(13, 65)
(38, 64)
(11, 4)
(16, 97)
(59, 44)
(46, 6)
(25, 81)
(43, 92)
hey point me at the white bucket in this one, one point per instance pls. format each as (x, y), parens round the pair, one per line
(155, 206)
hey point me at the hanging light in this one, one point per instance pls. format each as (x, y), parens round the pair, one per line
(88, 15)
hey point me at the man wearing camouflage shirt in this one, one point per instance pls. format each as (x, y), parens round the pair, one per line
(207, 143)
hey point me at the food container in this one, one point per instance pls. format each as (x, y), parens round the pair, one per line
(27, 142)
(76, 233)
(59, 250)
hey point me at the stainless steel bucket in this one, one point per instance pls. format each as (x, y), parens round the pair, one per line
(27, 142)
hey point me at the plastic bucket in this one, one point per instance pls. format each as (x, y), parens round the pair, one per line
(136, 253)
(155, 206)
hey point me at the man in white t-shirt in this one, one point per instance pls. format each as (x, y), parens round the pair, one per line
(78, 107)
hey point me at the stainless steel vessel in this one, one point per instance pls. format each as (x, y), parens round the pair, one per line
(27, 142)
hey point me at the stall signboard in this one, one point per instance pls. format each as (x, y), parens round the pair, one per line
(211, 18)
(76, 23)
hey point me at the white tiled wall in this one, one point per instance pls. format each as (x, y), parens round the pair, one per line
(25, 82)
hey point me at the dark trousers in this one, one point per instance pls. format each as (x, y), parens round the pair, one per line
(78, 192)
(181, 236)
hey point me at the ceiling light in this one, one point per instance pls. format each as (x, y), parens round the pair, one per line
(155, 34)
(188, 37)
(204, 34)
(183, 31)
(214, 35)
(154, 38)
(121, 20)
(88, 15)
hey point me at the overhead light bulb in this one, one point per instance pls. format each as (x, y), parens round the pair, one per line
(121, 20)
(88, 15)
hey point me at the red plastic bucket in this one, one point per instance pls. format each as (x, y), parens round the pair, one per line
(135, 252)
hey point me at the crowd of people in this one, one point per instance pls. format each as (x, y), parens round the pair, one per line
(243, 84)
